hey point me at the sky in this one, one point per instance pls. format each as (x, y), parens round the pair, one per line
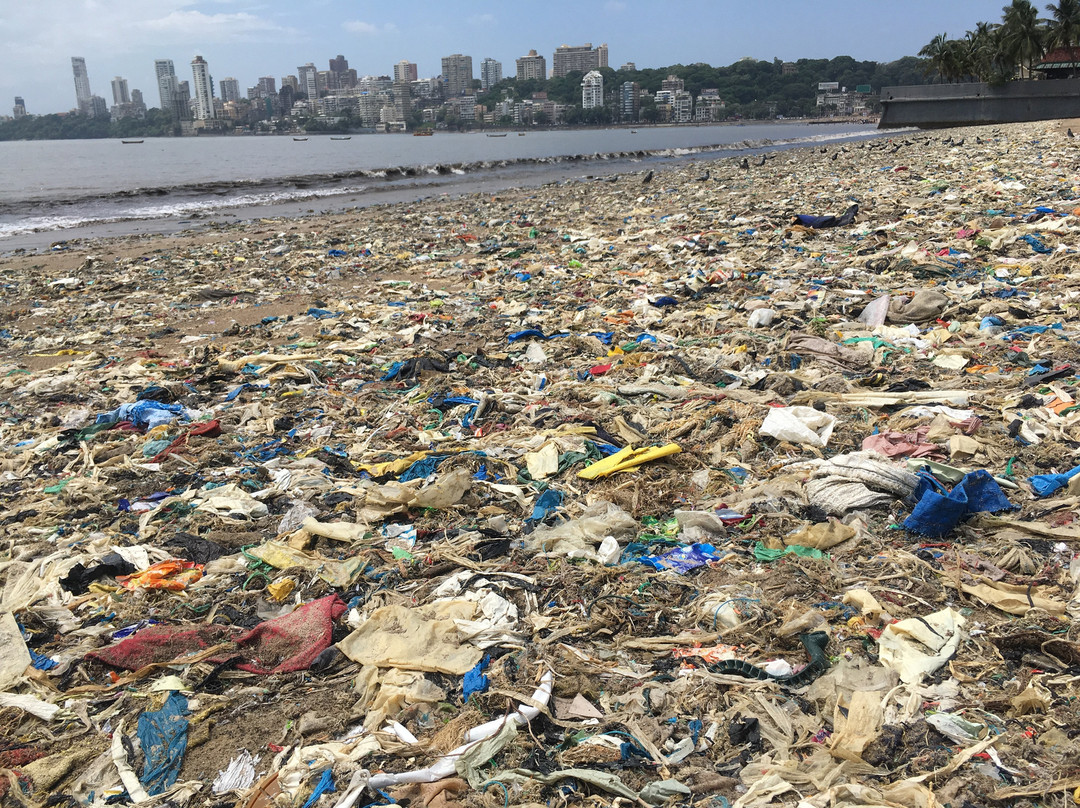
(246, 39)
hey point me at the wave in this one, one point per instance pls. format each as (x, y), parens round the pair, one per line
(203, 199)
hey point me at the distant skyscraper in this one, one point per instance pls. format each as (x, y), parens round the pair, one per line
(230, 89)
(167, 86)
(457, 74)
(490, 73)
(532, 66)
(629, 100)
(578, 57)
(204, 89)
(182, 100)
(292, 82)
(592, 90)
(19, 110)
(405, 71)
(82, 84)
(120, 94)
(339, 64)
(137, 103)
(308, 77)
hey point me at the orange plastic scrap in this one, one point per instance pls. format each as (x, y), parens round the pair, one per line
(718, 653)
(174, 575)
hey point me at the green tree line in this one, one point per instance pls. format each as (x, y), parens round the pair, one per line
(749, 87)
(1009, 49)
(72, 127)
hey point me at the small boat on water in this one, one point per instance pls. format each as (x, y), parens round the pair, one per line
(422, 133)
(498, 135)
(521, 134)
(347, 137)
(633, 131)
(130, 142)
(299, 139)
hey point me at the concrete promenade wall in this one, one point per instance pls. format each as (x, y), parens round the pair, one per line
(931, 105)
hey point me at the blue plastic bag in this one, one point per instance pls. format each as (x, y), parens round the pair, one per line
(163, 735)
(939, 510)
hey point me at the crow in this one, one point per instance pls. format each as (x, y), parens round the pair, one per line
(648, 178)
(745, 164)
(959, 142)
(835, 155)
(762, 161)
(1070, 132)
(704, 176)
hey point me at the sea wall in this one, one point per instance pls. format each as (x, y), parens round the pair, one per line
(935, 105)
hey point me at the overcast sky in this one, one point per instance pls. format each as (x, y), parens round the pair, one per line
(246, 39)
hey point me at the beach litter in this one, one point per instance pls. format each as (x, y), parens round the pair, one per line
(603, 492)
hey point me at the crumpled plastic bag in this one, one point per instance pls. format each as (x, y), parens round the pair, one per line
(917, 647)
(803, 425)
(416, 639)
(925, 305)
(577, 538)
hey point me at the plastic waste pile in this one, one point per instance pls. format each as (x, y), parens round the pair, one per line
(745, 489)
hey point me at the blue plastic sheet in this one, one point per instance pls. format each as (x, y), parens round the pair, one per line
(938, 510)
(145, 414)
(534, 333)
(1036, 244)
(336, 253)
(682, 559)
(1046, 484)
(163, 735)
(546, 504)
(475, 681)
(422, 469)
(325, 784)
(322, 314)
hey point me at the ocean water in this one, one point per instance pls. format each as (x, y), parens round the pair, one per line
(48, 187)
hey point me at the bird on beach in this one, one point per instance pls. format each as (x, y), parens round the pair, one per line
(648, 178)
(1069, 132)
(745, 164)
(704, 176)
(835, 155)
(762, 161)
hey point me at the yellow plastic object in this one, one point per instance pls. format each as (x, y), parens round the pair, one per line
(279, 590)
(627, 459)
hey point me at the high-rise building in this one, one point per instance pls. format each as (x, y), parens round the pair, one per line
(168, 86)
(308, 76)
(490, 73)
(82, 84)
(629, 101)
(230, 89)
(138, 105)
(592, 90)
(19, 111)
(584, 58)
(457, 74)
(97, 108)
(182, 101)
(120, 94)
(291, 82)
(532, 66)
(339, 65)
(204, 89)
(405, 71)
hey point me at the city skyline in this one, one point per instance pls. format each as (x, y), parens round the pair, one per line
(248, 40)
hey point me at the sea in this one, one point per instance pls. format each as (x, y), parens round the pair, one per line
(55, 190)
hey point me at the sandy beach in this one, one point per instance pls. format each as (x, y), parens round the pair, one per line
(661, 444)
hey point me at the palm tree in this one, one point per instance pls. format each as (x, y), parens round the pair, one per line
(981, 47)
(936, 53)
(1064, 29)
(1022, 34)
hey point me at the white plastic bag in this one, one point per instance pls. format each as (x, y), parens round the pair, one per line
(799, 425)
